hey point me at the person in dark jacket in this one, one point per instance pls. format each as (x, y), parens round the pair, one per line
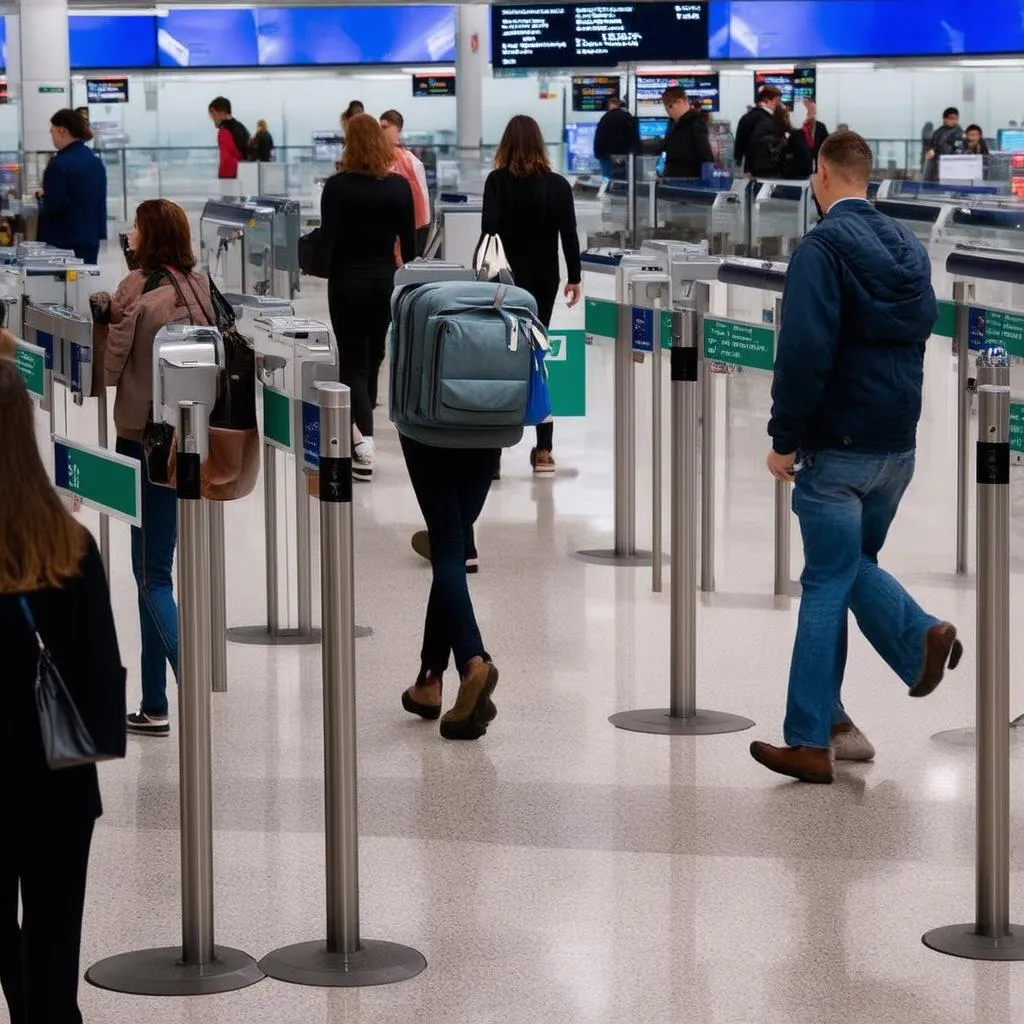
(73, 198)
(753, 124)
(782, 154)
(617, 138)
(947, 139)
(858, 307)
(261, 145)
(974, 141)
(814, 132)
(47, 816)
(687, 146)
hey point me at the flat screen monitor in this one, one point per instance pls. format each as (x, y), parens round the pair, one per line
(579, 148)
(591, 93)
(796, 84)
(1011, 140)
(596, 35)
(433, 85)
(701, 90)
(111, 41)
(106, 90)
(327, 145)
(653, 127)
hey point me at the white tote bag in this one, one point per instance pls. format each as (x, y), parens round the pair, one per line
(489, 260)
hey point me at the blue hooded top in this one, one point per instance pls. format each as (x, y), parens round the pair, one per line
(858, 308)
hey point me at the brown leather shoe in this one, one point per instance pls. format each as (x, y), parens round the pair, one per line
(807, 764)
(942, 650)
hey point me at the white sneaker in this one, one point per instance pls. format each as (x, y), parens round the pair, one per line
(362, 461)
(850, 744)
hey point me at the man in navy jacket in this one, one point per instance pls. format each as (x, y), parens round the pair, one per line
(857, 310)
(73, 199)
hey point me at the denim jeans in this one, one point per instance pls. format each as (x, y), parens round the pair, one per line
(152, 561)
(845, 503)
(451, 486)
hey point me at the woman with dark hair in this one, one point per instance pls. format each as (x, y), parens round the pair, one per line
(355, 107)
(51, 583)
(530, 208)
(147, 299)
(783, 153)
(974, 141)
(73, 198)
(364, 210)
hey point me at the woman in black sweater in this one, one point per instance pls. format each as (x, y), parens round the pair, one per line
(368, 226)
(529, 208)
(47, 816)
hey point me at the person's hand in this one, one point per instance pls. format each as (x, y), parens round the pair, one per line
(573, 293)
(38, 193)
(781, 466)
(812, 110)
(930, 155)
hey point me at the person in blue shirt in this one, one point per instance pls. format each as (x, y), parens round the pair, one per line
(73, 199)
(858, 308)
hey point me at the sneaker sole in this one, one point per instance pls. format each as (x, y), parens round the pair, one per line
(473, 722)
(936, 661)
(543, 470)
(148, 730)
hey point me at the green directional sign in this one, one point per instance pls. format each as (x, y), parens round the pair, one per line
(566, 363)
(945, 326)
(277, 418)
(104, 480)
(31, 363)
(1016, 427)
(995, 327)
(601, 320)
(739, 343)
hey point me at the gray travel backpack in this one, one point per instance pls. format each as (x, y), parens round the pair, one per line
(461, 356)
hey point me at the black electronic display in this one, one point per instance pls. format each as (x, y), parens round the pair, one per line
(701, 90)
(591, 93)
(106, 90)
(433, 85)
(797, 84)
(597, 35)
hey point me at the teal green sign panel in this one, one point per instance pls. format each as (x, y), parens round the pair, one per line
(31, 363)
(277, 418)
(945, 326)
(739, 343)
(104, 480)
(600, 319)
(1016, 427)
(566, 364)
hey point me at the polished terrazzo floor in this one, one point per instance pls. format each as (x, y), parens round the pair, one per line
(560, 870)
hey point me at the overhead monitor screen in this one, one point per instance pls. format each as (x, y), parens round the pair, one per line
(596, 35)
(796, 85)
(106, 90)
(591, 93)
(433, 85)
(653, 127)
(701, 90)
(111, 41)
(806, 29)
(579, 148)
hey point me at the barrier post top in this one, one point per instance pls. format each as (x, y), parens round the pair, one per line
(332, 394)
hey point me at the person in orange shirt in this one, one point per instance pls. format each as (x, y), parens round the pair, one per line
(411, 168)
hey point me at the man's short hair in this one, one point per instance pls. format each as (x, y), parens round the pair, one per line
(950, 112)
(769, 93)
(673, 94)
(614, 101)
(393, 117)
(848, 154)
(221, 105)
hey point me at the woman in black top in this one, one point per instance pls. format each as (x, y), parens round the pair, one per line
(529, 208)
(367, 220)
(795, 161)
(47, 816)
(261, 145)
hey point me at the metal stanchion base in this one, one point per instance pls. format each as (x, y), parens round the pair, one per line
(962, 940)
(661, 722)
(375, 963)
(160, 972)
(638, 559)
(260, 636)
(967, 738)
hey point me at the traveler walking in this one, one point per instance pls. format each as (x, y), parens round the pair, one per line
(51, 582)
(161, 246)
(753, 124)
(73, 197)
(947, 139)
(815, 133)
(365, 209)
(410, 167)
(687, 146)
(530, 208)
(858, 308)
(616, 139)
(232, 138)
(261, 145)
(782, 153)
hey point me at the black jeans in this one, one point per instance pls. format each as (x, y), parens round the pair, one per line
(451, 486)
(360, 315)
(39, 960)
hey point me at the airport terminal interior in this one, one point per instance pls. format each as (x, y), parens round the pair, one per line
(563, 867)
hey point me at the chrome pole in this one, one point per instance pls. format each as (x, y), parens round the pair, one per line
(963, 295)
(708, 412)
(218, 598)
(783, 524)
(625, 435)
(103, 438)
(656, 454)
(270, 536)
(303, 545)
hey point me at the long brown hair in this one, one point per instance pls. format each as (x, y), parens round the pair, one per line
(522, 152)
(164, 239)
(367, 149)
(41, 545)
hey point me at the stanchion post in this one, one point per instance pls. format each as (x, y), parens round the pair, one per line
(198, 966)
(625, 435)
(963, 296)
(218, 598)
(344, 959)
(991, 936)
(783, 524)
(103, 439)
(708, 413)
(270, 536)
(683, 718)
(656, 454)
(303, 543)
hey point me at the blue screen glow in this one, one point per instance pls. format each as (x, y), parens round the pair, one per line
(111, 41)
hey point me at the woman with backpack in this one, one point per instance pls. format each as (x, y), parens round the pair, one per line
(783, 154)
(146, 300)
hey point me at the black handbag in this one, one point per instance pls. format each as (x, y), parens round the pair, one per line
(313, 261)
(66, 739)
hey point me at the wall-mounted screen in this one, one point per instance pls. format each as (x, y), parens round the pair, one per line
(106, 90)
(796, 85)
(305, 36)
(701, 90)
(1011, 140)
(596, 35)
(653, 127)
(111, 41)
(579, 148)
(433, 85)
(591, 93)
(807, 29)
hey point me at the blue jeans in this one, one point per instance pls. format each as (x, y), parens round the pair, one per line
(845, 503)
(152, 561)
(451, 486)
